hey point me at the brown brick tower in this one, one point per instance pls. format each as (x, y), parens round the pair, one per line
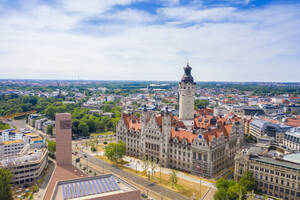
(63, 125)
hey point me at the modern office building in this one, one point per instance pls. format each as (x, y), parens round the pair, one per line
(259, 127)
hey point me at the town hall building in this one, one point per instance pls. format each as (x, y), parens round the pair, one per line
(194, 141)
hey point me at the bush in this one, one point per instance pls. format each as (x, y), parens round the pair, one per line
(35, 188)
(93, 148)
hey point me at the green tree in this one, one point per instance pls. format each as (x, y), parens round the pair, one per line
(83, 129)
(294, 112)
(5, 187)
(173, 178)
(248, 181)
(153, 167)
(107, 108)
(145, 164)
(232, 190)
(50, 129)
(200, 103)
(52, 146)
(4, 126)
(50, 112)
(115, 151)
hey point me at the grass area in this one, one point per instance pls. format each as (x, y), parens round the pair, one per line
(4, 126)
(183, 187)
(103, 133)
(120, 163)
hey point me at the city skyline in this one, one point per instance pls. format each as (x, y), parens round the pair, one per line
(226, 40)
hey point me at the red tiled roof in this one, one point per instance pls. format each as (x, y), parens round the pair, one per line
(205, 111)
(158, 120)
(175, 122)
(181, 134)
(132, 122)
(217, 132)
(295, 122)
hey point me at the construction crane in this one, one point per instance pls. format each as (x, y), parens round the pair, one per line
(16, 115)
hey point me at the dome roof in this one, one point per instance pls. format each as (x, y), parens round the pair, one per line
(187, 77)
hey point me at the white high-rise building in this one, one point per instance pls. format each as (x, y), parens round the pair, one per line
(186, 89)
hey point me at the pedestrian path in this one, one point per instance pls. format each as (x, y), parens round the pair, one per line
(137, 164)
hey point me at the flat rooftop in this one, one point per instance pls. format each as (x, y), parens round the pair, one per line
(295, 157)
(62, 173)
(90, 187)
(277, 162)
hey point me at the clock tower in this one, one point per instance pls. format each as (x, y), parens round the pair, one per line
(186, 89)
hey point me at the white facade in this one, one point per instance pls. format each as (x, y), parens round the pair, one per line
(291, 139)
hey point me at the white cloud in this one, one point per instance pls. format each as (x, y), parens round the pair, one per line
(92, 6)
(221, 43)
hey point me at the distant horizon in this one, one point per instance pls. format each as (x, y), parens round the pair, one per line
(1, 79)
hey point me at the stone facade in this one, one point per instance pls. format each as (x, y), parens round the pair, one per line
(204, 146)
(275, 176)
(186, 90)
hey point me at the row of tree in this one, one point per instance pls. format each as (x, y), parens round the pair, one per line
(232, 190)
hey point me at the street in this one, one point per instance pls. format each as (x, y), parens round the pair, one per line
(140, 181)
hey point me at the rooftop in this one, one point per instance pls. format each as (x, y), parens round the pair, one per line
(90, 187)
(295, 157)
(12, 142)
(278, 162)
(62, 173)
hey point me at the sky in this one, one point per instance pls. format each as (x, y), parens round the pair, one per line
(224, 40)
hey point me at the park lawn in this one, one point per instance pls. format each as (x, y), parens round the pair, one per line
(119, 163)
(183, 187)
(103, 133)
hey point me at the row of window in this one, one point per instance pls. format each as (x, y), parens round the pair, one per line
(271, 179)
(278, 189)
(282, 174)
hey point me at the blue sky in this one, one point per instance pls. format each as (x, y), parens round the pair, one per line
(225, 40)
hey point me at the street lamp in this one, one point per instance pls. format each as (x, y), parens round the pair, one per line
(199, 168)
(103, 161)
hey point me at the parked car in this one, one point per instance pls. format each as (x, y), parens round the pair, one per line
(144, 195)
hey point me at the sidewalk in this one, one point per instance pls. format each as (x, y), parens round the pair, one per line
(144, 190)
(136, 164)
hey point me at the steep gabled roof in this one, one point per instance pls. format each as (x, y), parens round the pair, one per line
(217, 132)
(181, 134)
(132, 122)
